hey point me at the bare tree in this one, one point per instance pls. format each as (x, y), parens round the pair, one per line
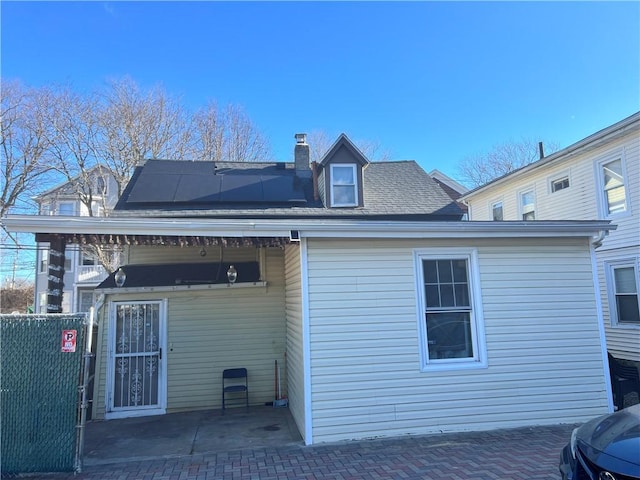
(134, 125)
(227, 135)
(23, 142)
(74, 142)
(320, 143)
(503, 158)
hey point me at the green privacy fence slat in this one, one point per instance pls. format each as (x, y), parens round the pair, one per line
(39, 392)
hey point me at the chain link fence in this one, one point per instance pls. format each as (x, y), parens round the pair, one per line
(40, 372)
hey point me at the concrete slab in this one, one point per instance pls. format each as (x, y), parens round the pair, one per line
(180, 434)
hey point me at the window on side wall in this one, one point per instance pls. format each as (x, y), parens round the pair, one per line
(614, 193)
(624, 302)
(528, 205)
(43, 264)
(559, 184)
(450, 313)
(497, 211)
(344, 186)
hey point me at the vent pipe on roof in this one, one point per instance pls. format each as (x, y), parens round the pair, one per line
(541, 149)
(301, 156)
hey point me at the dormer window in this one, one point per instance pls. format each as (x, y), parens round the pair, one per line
(344, 185)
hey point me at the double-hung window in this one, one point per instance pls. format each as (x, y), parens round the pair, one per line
(344, 185)
(613, 187)
(497, 211)
(624, 301)
(450, 316)
(528, 205)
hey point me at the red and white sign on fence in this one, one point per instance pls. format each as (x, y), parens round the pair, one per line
(69, 340)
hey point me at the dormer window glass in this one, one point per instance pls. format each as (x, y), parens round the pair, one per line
(344, 186)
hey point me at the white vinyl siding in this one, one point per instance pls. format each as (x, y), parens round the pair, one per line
(583, 200)
(210, 330)
(540, 323)
(295, 348)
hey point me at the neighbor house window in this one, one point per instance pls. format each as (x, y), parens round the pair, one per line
(45, 209)
(613, 187)
(559, 184)
(85, 300)
(496, 211)
(87, 259)
(528, 205)
(66, 208)
(624, 302)
(43, 264)
(344, 186)
(450, 314)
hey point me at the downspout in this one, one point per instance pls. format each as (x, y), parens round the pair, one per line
(86, 356)
(596, 241)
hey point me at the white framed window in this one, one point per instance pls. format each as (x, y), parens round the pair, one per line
(68, 263)
(344, 185)
(497, 211)
(45, 209)
(66, 208)
(528, 205)
(622, 285)
(558, 184)
(86, 259)
(85, 300)
(450, 319)
(612, 184)
(102, 185)
(43, 264)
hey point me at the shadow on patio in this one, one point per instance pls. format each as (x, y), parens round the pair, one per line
(180, 434)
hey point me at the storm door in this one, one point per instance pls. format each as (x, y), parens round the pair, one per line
(137, 382)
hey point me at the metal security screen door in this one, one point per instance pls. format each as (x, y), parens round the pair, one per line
(137, 373)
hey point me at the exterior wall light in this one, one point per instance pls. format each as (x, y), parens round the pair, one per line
(232, 274)
(120, 277)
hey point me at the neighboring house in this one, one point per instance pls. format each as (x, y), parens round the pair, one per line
(387, 313)
(83, 272)
(595, 178)
(452, 188)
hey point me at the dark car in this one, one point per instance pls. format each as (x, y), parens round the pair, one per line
(605, 448)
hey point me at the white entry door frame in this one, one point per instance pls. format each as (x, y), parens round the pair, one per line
(136, 369)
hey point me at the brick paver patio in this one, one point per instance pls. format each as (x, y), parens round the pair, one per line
(510, 454)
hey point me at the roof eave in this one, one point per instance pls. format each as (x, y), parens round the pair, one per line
(306, 228)
(589, 143)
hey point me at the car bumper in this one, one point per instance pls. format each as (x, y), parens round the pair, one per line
(568, 464)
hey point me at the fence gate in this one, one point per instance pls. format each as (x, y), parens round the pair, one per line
(40, 361)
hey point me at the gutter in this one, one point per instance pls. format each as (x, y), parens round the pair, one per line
(299, 228)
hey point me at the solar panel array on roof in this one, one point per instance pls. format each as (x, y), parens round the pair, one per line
(173, 182)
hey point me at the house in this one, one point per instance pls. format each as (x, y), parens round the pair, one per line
(83, 271)
(595, 178)
(387, 314)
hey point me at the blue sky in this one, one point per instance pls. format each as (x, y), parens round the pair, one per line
(431, 81)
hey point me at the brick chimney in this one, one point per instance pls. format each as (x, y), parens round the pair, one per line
(301, 156)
